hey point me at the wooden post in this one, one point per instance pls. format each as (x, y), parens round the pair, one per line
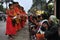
(55, 7)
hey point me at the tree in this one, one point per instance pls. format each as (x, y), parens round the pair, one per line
(9, 0)
(1, 8)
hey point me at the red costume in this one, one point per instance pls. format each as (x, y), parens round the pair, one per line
(22, 15)
(18, 25)
(40, 36)
(24, 18)
(10, 29)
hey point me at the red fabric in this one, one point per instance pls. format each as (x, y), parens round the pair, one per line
(21, 13)
(40, 36)
(18, 27)
(7, 11)
(16, 9)
(22, 17)
(22, 24)
(31, 19)
(10, 29)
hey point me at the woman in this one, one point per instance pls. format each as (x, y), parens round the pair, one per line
(17, 11)
(23, 16)
(43, 27)
(10, 29)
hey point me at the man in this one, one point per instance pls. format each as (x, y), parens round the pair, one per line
(52, 32)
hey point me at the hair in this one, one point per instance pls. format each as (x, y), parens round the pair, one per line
(39, 16)
(20, 7)
(15, 3)
(46, 23)
(10, 5)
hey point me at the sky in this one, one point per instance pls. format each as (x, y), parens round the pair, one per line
(25, 3)
(47, 0)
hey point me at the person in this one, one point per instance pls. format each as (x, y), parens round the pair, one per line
(40, 32)
(17, 11)
(21, 12)
(45, 26)
(52, 32)
(10, 29)
(17, 8)
(24, 18)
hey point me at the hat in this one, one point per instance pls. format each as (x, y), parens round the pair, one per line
(53, 18)
(44, 21)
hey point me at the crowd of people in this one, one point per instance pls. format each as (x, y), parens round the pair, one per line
(44, 27)
(41, 27)
(16, 19)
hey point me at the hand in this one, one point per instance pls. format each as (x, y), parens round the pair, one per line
(40, 24)
(14, 17)
(42, 32)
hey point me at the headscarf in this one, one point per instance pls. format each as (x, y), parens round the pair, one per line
(44, 21)
(54, 19)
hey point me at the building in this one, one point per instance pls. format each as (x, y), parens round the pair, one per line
(37, 5)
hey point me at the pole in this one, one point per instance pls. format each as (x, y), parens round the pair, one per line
(41, 6)
(55, 7)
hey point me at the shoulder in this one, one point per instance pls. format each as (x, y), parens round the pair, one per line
(7, 10)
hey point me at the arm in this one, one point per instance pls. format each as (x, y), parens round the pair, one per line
(8, 13)
(51, 32)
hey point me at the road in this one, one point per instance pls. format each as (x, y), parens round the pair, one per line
(21, 35)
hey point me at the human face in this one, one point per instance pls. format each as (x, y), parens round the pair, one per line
(49, 20)
(11, 7)
(14, 5)
(44, 25)
(40, 17)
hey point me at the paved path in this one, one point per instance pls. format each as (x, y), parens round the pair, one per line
(21, 35)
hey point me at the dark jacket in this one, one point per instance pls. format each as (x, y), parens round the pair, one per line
(52, 32)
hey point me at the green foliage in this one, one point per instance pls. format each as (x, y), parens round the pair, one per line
(44, 7)
(8, 0)
(50, 7)
(4, 10)
(1, 8)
